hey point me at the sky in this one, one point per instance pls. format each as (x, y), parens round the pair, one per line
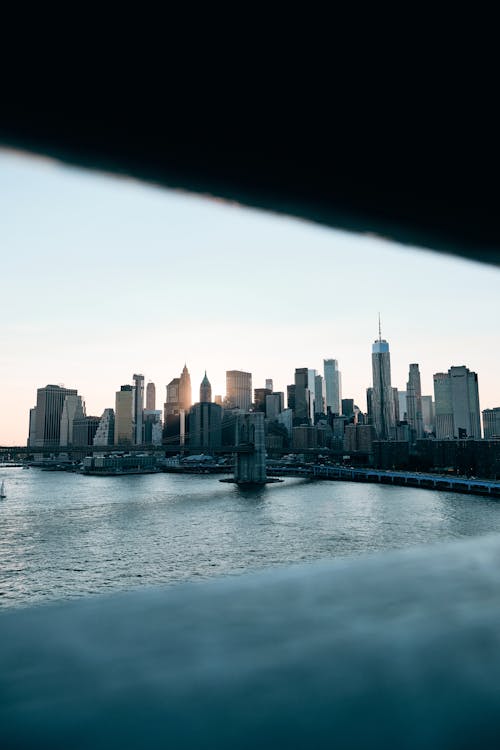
(104, 276)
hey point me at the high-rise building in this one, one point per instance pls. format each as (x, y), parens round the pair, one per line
(383, 406)
(172, 403)
(73, 408)
(32, 427)
(428, 414)
(311, 384)
(105, 433)
(302, 411)
(290, 396)
(259, 398)
(150, 396)
(333, 385)
(402, 404)
(269, 384)
(491, 423)
(124, 415)
(153, 427)
(49, 407)
(205, 390)
(275, 403)
(239, 389)
(185, 396)
(348, 407)
(456, 397)
(414, 403)
(205, 426)
(138, 408)
(319, 395)
(84, 430)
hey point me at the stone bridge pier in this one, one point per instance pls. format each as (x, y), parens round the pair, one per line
(250, 468)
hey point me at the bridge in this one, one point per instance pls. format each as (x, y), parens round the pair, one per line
(402, 478)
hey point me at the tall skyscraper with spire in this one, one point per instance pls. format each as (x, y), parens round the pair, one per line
(414, 402)
(382, 394)
(185, 396)
(205, 390)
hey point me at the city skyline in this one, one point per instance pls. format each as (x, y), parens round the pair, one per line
(76, 311)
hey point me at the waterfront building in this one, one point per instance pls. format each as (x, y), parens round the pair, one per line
(428, 414)
(239, 389)
(49, 407)
(382, 396)
(32, 427)
(73, 408)
(153, 427)
(205, 390)
(185, 395)
(333, 386)
(456, 397)
(205, 426)
(359, 438)
(414, 403)
(105, 433)
(124, 415)
(269, 384)
(138, 408)
(84, 430)
(151, 396)
(491, 423)
(302, 411)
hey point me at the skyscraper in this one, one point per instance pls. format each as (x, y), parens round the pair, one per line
(383, 407)
(73, 408)
(333, 385)
(105, 433)
(428, 413)
(302, 411)
(205, 426)
(205, 390)
(491, 423)
(414, 403)
(124, 415)
(456, 397)
(239, 389)
(185, 395)
(138, 408)
(319, 395)
(269, 384)
(150, 396)
(49, 407)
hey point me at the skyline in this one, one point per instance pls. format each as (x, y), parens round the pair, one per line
(106, 276)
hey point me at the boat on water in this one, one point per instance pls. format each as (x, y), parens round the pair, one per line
(2, 490)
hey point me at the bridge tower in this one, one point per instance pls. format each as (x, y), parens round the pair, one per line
(250, 468)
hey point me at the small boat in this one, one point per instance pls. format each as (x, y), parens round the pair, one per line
(2, 490)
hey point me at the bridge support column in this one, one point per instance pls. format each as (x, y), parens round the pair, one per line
(250, 468)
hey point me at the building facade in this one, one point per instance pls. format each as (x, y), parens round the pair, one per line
(238, 389)
(414, 403)
(105, 433)
(302, 410)
(124, 416)
(73, 408)
(491, 423)
(333, 386)
(382, 394)
(205, 390)
(138, 408)
(205, 426)
(456, 398)
(151, 396)
(49, 408)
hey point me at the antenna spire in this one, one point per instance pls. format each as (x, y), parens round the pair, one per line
(379, 329)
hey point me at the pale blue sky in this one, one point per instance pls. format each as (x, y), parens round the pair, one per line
(103, 277)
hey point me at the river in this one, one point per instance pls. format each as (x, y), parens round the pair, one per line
(64, 535)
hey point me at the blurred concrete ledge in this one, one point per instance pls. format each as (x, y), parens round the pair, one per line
(398, 650)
